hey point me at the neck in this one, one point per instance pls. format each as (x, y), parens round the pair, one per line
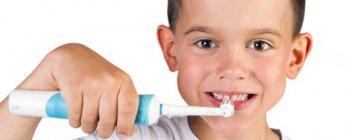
(258, 131)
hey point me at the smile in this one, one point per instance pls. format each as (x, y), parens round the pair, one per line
(238, 99)
(232, 98)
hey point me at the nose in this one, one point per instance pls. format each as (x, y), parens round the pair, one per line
(233, 66)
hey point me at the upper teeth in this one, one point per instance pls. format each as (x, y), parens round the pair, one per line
(232, 98)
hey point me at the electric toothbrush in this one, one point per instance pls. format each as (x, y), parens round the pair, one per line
(51, 104)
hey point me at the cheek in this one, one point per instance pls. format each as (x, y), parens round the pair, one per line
(190, 74)
(272, 76)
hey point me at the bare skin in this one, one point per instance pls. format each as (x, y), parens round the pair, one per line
(96, 93)
(232, 46)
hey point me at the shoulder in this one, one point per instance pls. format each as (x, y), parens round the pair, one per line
(281, 134)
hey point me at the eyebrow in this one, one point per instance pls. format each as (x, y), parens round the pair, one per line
(260, 31)
(203, 29)
(267, 31)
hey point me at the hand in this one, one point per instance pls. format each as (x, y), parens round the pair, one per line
(99, 95)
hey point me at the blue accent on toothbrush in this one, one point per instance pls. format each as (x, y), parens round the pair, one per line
(142, 113)
(56, 107)
(161, 109)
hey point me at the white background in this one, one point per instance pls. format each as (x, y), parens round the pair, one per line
(315, 106)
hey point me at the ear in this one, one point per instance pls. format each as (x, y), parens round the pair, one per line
(301, 48)
(166, 43)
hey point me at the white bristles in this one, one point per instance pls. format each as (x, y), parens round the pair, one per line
(227, 108)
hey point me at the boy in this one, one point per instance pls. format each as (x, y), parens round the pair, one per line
(235, 48)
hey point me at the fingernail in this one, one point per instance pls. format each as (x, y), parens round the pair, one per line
(122, 136)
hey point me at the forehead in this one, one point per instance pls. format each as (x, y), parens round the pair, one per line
(237, 15)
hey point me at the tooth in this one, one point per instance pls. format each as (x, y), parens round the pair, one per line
(215, 94)
(238, 98)
(245, 96)
(220, 96)
(226, 97)
(241, 97)
(234, 98)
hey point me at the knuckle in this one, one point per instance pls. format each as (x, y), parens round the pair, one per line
(107, 122)
(128, 108)
(72, 87)
(69, 46)
(75, 112)
(111, 80)
(89, 120)
(63, 49)
(91, 82)
(117, 79)
(125, 78)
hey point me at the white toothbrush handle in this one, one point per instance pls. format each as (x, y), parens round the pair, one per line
(51, 104)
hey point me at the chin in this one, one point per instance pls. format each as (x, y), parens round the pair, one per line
(231, 126)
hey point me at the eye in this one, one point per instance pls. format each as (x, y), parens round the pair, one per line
(259, 45)
(205, 43)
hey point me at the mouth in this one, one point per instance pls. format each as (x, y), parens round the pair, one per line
(238, 99)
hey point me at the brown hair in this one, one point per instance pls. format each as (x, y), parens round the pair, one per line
(298, 7)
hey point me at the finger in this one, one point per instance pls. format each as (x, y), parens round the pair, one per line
(74, 101)
(108, 113)
(134, 129)
(89, 116)
(127, 108)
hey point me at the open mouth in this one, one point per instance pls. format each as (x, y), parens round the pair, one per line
(234, 98)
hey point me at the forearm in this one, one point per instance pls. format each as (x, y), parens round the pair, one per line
(79, 73)
(13, 127)
(16, 127)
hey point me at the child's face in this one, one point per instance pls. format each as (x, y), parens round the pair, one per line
(233, 47)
